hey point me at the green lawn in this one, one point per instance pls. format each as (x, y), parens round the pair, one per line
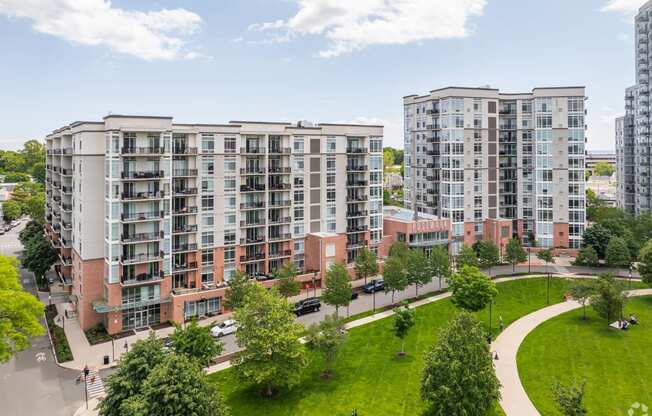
(368, 376)
(616, 364)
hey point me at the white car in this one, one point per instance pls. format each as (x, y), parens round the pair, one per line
(225, 328)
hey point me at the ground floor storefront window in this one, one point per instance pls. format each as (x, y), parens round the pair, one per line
(141, 317)
(200, 308)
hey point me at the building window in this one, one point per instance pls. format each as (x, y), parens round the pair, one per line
(208, 166)
(207, 202)
(207, 220)
(376, 145)
(229, 183)
(331, 145)
(229, 145)
(207, 239)
(298, 213)
(207, 257)
(207, 185)
(229, 237)
(229, 255)
(298, 145)
(298, 197)
(207, 143)
(229, 165)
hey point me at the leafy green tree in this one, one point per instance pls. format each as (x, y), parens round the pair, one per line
(287, 284)
(337, 287)
(546, 256)
(33, 152)
(32, 229)
(404, 320)
(196, 342)
(582, 291)
(132, 371)
(327, 338)
(645, 262)
(19, 312)
(394, 275)
(467, 257)
(617, 253)
(11, 210)
(14, 177)
(399, 249)
(515, 253)
(459, 376)
(587, 256)
(440, 263)
(488, 254)
(603, 169)
(38, 172)
(418, 269)
(569, 398)
(366, 264)
(472, 290)
(11, 161)
(238, 288)
(598, 237)
(268, 335)
(35, 207)
(39, 256)
(388, 157)
(176, 386)
(608, 299)
(24, 191)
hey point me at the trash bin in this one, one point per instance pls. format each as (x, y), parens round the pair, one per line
(106, 360)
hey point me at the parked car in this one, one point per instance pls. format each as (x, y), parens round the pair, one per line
(2, 231)
(225, 328)
(354, 295)
(375, 285)
(306, 306)
(14, 223)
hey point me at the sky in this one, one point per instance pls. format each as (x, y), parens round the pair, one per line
(211, 61)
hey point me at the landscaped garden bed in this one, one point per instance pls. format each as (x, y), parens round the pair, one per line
(58, 336)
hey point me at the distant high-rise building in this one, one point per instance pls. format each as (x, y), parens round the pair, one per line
(626, 156)
(499, 164)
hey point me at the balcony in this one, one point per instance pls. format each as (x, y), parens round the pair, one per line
(280, 150)
(183, 150)
(184, 172)
(258, 187)
(280, 237)
(184, 228)
(356, 198)
(279, 186)
(252, 222)
(185, 211)
(180, 248)
(141, 258)
(356, 150)
(280, 254)
(141, 216)
(354, 245)
(280, 220)
(357, 229)
(279, 203)
(142, 278)
(252, 205)
(141, 237)
(357, 168)
(132, 196)
(357, 214)
(185, 266)
(66, 225)
(143, 175)
(252, 150)
(142, 151)
(252, 257)
(280, 169)
(254, 240)
(253, 171)
(66, 207)
(185, 191)
(357, 183)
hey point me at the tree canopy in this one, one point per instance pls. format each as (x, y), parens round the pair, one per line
(239, 285)
(440, 263)
(617, 253)
(404, 320)
(395, 274)
(366, 264)
(515, 253)
(287, 284)
(418, 269)
(337, 287)
(196, 342)
(487, 253)
(327, 337)
(472, 290)
(608, 299)
(603, 169)
(467, 257)
(587, 256)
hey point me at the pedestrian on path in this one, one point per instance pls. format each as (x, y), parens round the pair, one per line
(86, 371)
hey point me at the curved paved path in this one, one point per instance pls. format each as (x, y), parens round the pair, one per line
(515, 401)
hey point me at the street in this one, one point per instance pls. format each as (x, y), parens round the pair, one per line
(32, 383)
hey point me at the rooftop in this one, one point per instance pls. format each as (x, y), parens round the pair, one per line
(405, 215)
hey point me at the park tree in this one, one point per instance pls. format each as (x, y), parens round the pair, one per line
(569, 398)
(388, 158)
(196, 342)
(587, 256)
(38, 172)
(132, 371)
(488, 254)
(394, 275)
(32, 229)
(418, 269)
(39, 256)
(11, 161)
(617, 253)
(239, 285)
(19, 311)
(472, 290)
(598, 237)
(11, 210)
(271, 355)
(327, 338)
(399, 249)
(366, 264)
(15, 177)
(440, 263)
(404, 320)
(287, 284)
(546, 256)
(176, 386)
(603, 169)
(467, 257)
(608, 299)
(515, 253)
(645, 262)
(582, 291)
(24, 191)
(35, 207)
(337, 287)
(459, 376)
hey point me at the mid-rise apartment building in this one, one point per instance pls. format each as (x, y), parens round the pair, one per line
(633, 147)
(152, 218)
(499, 165)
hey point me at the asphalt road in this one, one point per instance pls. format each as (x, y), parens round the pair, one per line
(32, 383)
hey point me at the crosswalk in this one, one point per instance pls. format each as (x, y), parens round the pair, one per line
(94, 385)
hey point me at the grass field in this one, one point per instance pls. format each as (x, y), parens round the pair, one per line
(368, 376)
(616, 364)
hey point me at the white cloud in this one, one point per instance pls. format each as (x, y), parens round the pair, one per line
(354, 25)
(626, 7)
(148, 35)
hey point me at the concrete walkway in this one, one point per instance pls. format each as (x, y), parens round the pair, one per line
(515, 401)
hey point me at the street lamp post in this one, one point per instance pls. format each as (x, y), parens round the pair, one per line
(490, 316)
(86, 390)
(113, 347)
(529, 259)
(630, 275)
(314, 285)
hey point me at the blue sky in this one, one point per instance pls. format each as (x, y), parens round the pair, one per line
(322, 60)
